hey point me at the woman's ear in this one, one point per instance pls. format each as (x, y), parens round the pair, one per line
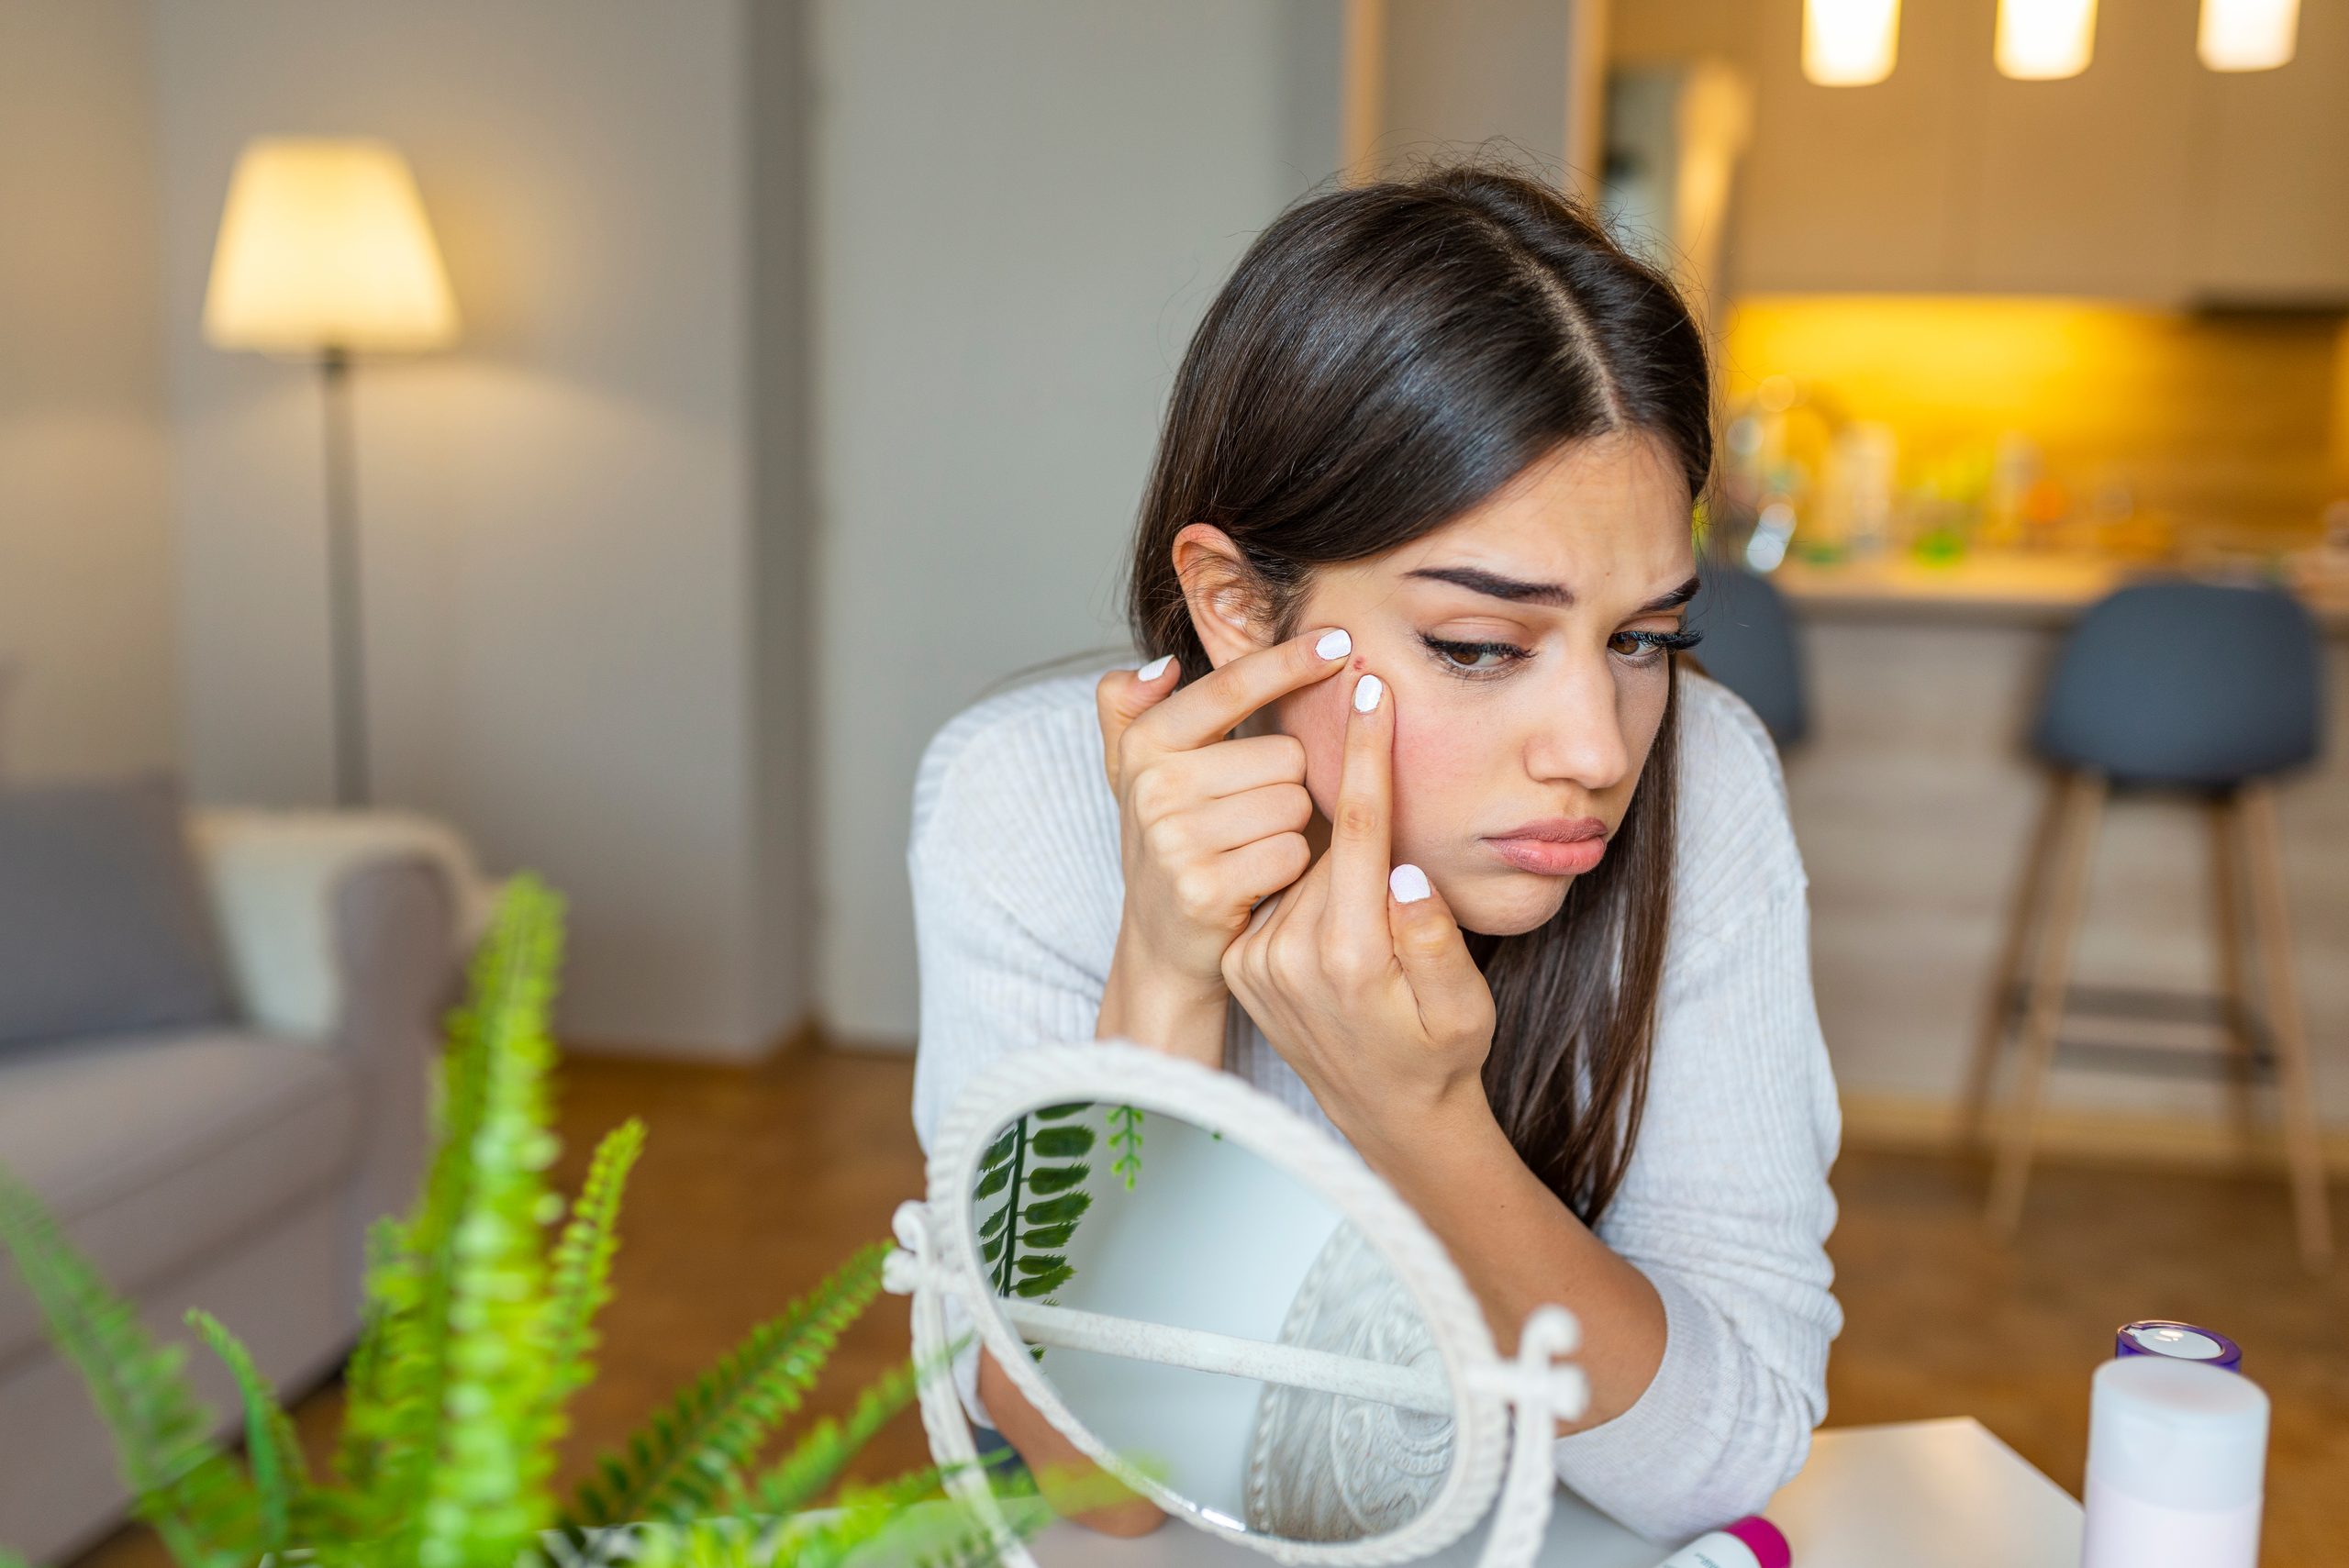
(1227, 609)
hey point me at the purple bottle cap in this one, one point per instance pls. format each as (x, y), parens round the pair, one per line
(1763, 1540)
(2178, 1342)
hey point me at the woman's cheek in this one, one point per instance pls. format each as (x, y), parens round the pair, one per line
(1317, 716)
(1432, 759)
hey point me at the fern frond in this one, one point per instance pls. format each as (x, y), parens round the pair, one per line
(693, 1450)
(488, 1495)
(579, 1280)
(871, 1518)
(272, 1451)
(1125, 1142)
(187, 1488)
(451, 1428)
(817, 1460)
(356, 1445)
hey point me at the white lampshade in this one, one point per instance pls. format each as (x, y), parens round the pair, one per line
(2248, 35)
(2043, 40)
(324, 245)
(1849, 43)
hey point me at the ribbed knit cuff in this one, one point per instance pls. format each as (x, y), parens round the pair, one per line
(1646, 1467)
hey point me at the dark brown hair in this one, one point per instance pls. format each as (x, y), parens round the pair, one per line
(1385, 358)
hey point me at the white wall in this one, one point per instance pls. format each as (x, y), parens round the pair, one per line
(1021, 209)
(85, 557)
(558, 514)
(1460, 73)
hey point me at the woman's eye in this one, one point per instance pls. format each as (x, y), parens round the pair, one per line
(1650, 647)
(1474, 658)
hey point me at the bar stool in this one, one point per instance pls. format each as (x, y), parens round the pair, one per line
(2189, 687)
(1750, 647)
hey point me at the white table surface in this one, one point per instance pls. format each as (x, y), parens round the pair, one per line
(1918, 1493)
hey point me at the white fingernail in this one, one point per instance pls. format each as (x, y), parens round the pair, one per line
(1334, 644)
(1408, 882)
(1155, 668)
(1366, 692)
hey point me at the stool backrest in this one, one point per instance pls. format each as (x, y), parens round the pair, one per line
(1750, 647)
(2193, 684)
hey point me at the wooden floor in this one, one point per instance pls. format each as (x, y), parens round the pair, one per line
(754, 1182)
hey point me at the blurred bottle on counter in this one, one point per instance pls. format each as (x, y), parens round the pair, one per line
(2014, 468)
(1854, 510)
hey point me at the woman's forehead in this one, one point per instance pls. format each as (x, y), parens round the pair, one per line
(1603, 514)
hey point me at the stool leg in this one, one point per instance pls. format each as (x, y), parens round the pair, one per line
(2074, 848)
(2015, 961)
(2302, 1146)
(2226, 928)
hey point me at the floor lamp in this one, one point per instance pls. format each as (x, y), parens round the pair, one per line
(324, 253)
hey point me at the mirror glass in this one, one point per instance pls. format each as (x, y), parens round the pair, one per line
(1212, 1319)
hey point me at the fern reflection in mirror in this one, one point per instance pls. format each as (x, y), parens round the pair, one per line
(1350, 1439)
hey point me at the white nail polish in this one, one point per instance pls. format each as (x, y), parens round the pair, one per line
(1367, 693)
(1334, 644)
(1155, 668)
(1408, 882)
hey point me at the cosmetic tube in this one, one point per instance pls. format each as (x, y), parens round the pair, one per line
(2177, 1459)
(1751, 1543)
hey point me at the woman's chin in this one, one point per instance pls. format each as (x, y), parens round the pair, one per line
(1511, 904)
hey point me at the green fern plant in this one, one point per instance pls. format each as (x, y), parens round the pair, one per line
(478, 1327)
(1125, 1143)
(1039, 1171)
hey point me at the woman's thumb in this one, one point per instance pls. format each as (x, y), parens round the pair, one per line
(1434, 956)
(1120, 696)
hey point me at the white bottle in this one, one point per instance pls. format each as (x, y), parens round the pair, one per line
(2177, 1460)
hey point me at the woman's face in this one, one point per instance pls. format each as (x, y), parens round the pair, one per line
(1520, 645)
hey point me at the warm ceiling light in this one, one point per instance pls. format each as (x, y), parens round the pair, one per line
(2040, 41)
(2247, 35)
(1849, 43)
(324, 245)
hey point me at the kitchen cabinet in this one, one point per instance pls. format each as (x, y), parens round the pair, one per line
(2147, 178)
(2083, 187)
(2272, 170)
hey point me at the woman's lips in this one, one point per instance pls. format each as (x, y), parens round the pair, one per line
(1554, 848)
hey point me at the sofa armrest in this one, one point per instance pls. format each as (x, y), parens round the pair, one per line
(396, 931)
(274, 878)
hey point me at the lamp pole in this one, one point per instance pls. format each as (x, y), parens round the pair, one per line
(343, 597)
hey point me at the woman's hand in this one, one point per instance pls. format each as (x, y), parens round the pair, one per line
(1208, 827)
(1361, 979)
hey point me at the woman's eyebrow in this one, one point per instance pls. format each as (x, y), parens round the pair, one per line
(1514, 589)
(1517, 591)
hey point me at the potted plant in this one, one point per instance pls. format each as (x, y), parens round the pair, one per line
(478, 1327)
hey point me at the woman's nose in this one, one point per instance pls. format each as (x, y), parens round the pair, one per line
(1580, 737)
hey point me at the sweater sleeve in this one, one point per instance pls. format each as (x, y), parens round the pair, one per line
(988, 982)
(1726, 1208)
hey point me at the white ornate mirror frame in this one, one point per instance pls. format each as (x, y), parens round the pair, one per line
(937, 1258)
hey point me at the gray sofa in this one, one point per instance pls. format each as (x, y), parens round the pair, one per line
(234, 1166)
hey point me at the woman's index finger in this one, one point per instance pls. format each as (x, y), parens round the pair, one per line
(1359, 829)
(1213, 706)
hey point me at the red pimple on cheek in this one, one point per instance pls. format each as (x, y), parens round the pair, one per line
(1360, 663)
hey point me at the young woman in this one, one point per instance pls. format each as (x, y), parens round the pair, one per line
(1412, 820)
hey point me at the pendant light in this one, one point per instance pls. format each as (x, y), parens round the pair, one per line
(1849, 43)
(2044, 41)
(2247, 35)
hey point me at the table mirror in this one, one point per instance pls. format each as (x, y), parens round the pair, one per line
(1225, 1308)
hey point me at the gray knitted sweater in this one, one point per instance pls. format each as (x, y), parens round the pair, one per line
(1017, 887)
